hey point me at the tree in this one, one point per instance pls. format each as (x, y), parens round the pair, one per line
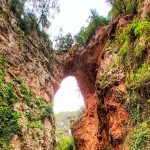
(120, 5)
(44, 10)
(17, 7)
(64, 42)
(95, 21)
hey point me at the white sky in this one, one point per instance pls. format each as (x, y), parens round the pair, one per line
(68, 97)
(73, 15)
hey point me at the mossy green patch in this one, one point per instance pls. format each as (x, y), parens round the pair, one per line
(138, 27)
(8, 123)
(135, 79)
(139, 137)
(37, 125)
(39, 108)
(8, 117)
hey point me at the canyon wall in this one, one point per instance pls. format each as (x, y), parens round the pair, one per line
(113, 74)
(28, 75)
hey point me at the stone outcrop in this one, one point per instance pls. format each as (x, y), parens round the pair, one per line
(26, 61)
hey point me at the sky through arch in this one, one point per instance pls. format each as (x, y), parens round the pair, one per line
(68, 97)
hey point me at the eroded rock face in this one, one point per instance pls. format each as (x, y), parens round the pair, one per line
(26, 62)
(101, 81)
(84, 64)
(103, 86)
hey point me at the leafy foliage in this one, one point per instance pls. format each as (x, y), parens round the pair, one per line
(63, 43)
(137, 28)
(17, 7)
(123, 52)
(65, 143)
(135, 80)
(122, 7)
(29, 21)
(140, 135)
(86, 33)
(39, 108)
(8, 123)
(8, 117)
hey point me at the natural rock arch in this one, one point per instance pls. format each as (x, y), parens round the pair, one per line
(83, 64)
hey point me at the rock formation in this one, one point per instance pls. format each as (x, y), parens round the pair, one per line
(109, 71)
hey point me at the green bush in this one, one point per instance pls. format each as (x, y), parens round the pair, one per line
(139, 137)
(86, 33)
(137, 28)
(131, 7)
(139, 50)
(8, 123)
(47, 111)
(123, 52)
(37, 125)
(135, 80)
(2, 66)
(7, 93)
(16, 6)
(121, 36)
(122, 7)
(65, 143)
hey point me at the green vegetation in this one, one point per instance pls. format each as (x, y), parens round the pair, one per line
(95, 21)
(123, 52)
(86, 33)
(139, 137)
(8, 117)
(39, 109)
(8, 123)
(37, 125)
(122, 7)
(65, 119)
(2, 67)
(138, 28)
(63, 122)
(30, 22)
(65, 143)
(135, 80)
(63, 43)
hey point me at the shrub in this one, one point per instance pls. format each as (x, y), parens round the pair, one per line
(131, 7)
(63, 43)
(86, 33)
(37, 125)
(47, 111)
(121, 36)
(65, 143)
(139, 137)
(7, 93)
(8, 123)
(16, 6)
(123, 52)
(137, 28)
(2, 66)
(135, 80)
(139, 50)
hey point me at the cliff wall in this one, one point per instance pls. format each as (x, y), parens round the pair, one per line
(28, 78)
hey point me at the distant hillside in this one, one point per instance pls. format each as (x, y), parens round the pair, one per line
(64, 120)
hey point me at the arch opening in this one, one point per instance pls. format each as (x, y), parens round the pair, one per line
(68, 97)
